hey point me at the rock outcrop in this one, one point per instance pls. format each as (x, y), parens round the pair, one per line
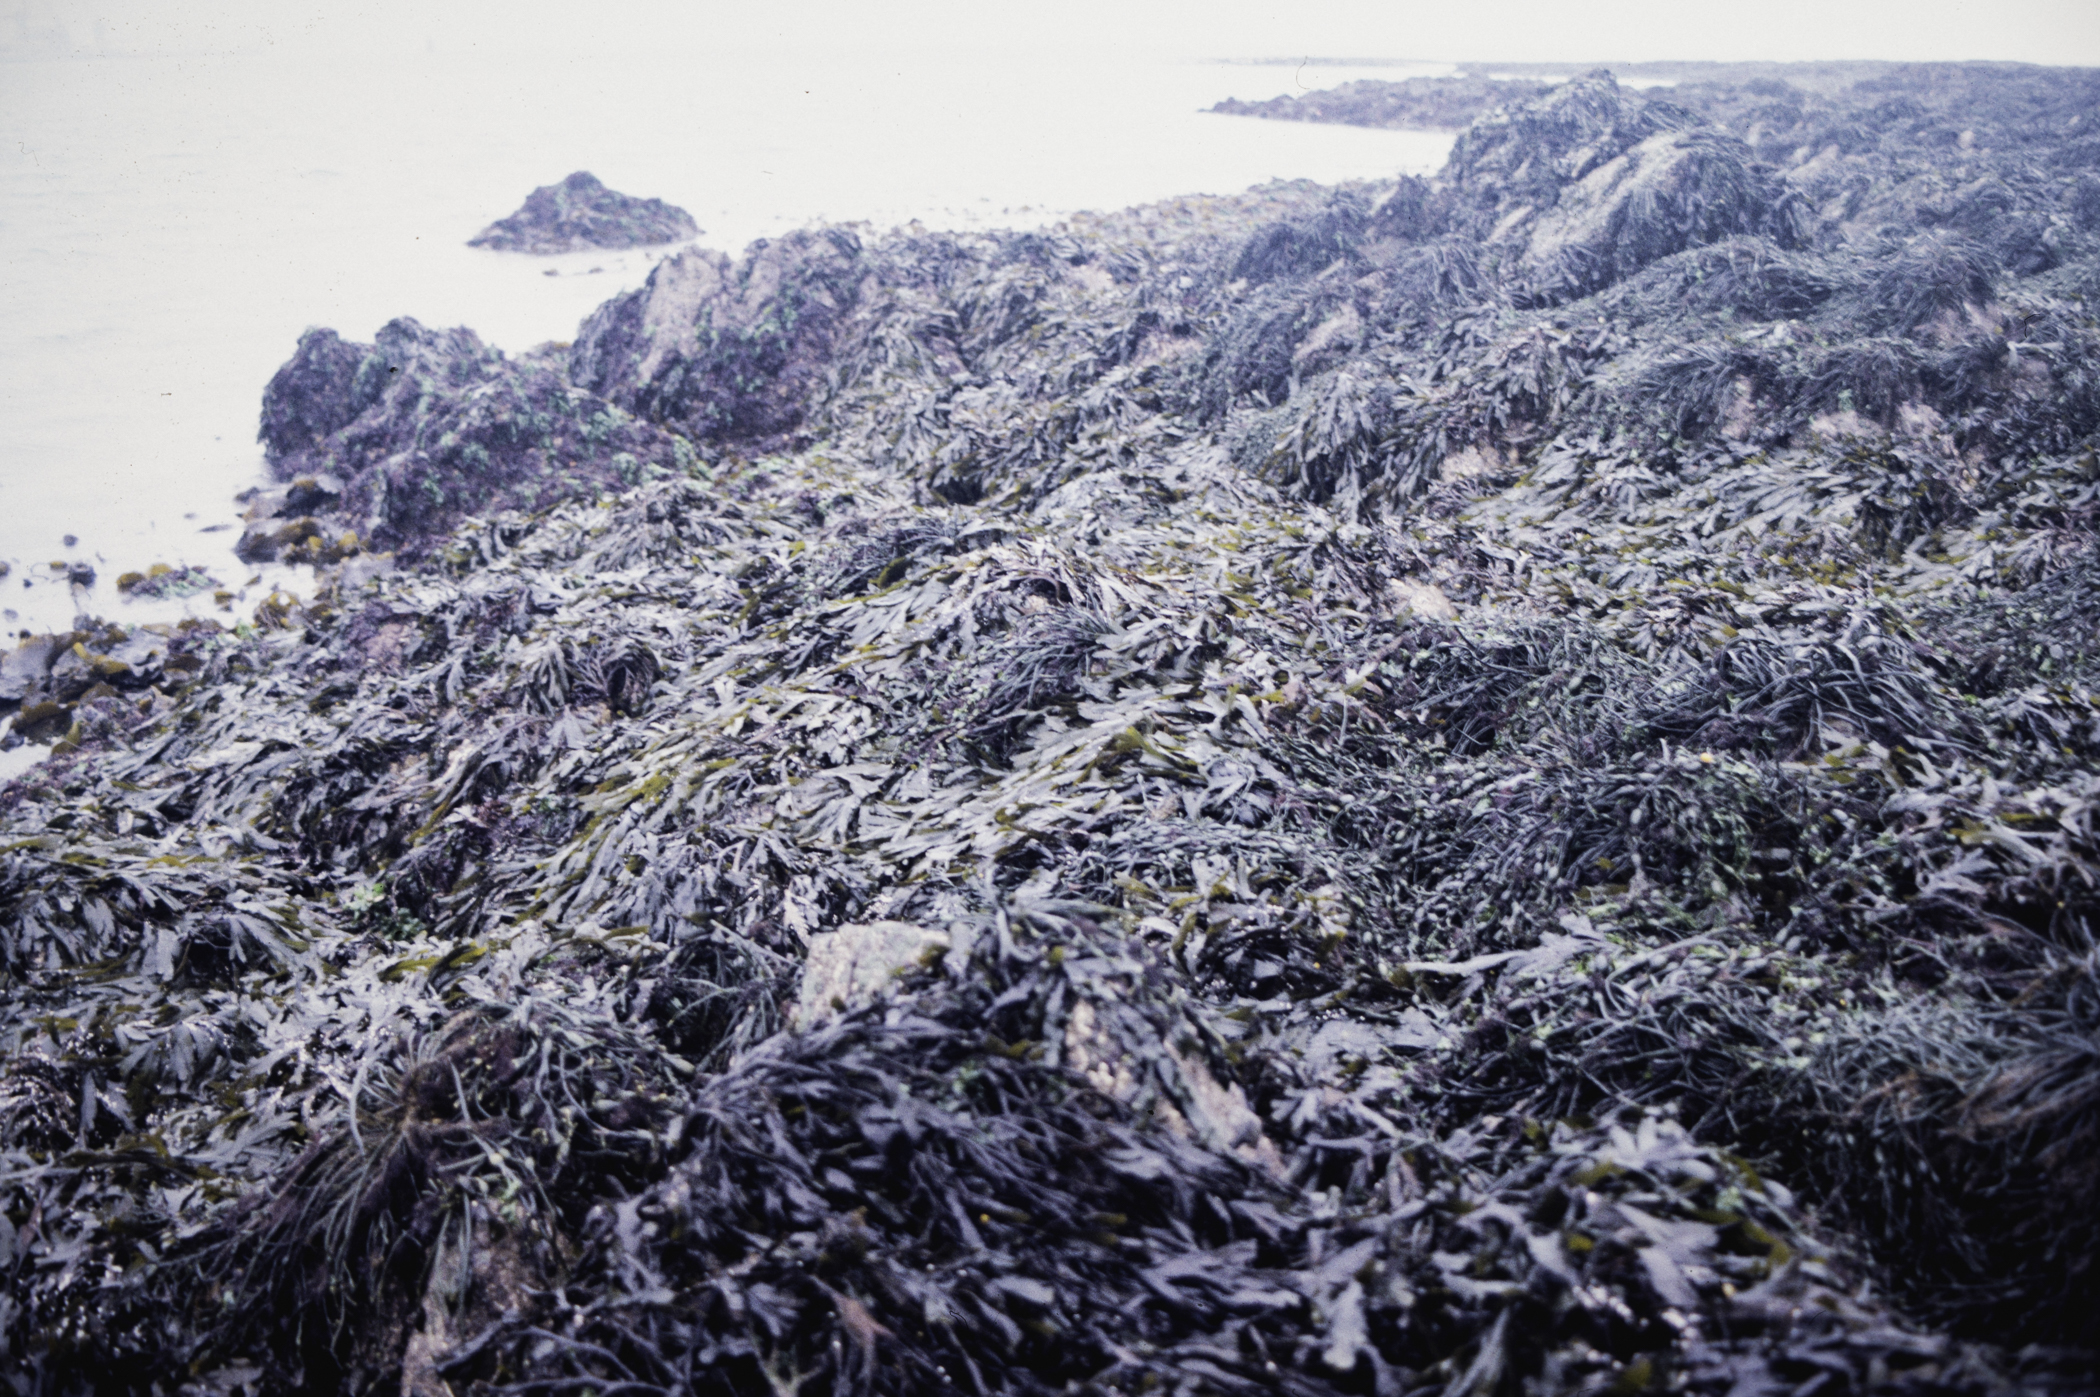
(1859, 146)
(1553, 200)
(398, 440)
(1582, 187)
(724, 349)
(580, 214)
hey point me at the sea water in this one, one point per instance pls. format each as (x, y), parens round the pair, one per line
(171, 224)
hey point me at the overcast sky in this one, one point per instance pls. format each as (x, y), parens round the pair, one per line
(2039, 31)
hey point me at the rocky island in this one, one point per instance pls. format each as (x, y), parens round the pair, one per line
(1480, 785)
(580, 214)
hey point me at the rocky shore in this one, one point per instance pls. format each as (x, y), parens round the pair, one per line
(1423, 104)
(1473, 785)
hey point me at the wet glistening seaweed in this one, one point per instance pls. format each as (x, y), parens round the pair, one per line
(1469, 786)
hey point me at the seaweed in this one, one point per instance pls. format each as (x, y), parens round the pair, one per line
(1241, 795)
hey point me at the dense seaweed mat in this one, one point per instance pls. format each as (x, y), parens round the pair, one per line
(1472, 786)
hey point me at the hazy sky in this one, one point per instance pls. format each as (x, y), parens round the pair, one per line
(2039, 31)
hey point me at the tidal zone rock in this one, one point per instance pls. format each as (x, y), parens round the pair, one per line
(162, 582)
(579, 214)
(391, 444)
(728, 349)
(47, 679)
(1585, 186)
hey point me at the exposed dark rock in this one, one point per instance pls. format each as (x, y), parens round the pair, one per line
(441, 426)
(317, 391)
(579, 214)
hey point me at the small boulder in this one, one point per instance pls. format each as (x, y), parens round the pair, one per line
(24, 670)
(581, 213)
(853, 964)
(161, 582)
(307, 494)
(300, 540)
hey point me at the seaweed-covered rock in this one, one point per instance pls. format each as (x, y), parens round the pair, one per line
(92, 686)
(1864, 145)
(1590, 183)
(1516, 160)
(162, 581)
(1671, 191)
(23, 669)
(439, 426)
(316, 392)
(938, 1211)
(1447, 104)
(581, 213)
(726, 350)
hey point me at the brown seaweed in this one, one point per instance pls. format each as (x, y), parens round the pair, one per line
(1235, 797)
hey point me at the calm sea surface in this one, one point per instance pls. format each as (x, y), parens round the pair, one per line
(170, 225)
